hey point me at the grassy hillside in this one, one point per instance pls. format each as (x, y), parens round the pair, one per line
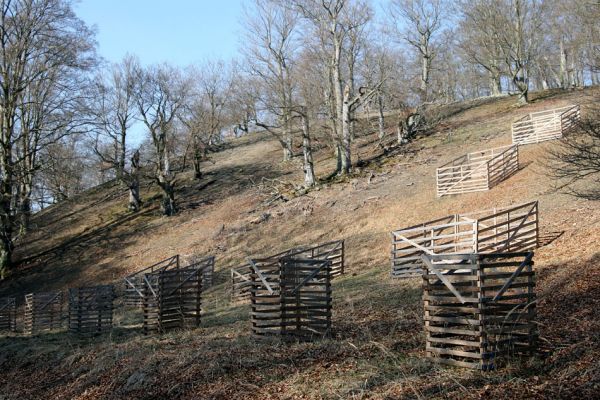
(237, 210)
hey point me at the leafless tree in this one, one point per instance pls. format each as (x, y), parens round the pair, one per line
(160, 94)
(270, 47)
(419, 22)
(115, 111)
(204, 114)
(38, 38)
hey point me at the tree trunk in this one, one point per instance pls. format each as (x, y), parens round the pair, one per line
(168, 206)
(134, 184)
(495, 84)
(380, 117)
(346, 138)
(564, 76)
(309, 171)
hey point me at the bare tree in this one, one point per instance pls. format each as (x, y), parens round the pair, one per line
(270, 49)
(160, 94)
(575, 162)
(37, 38)
(116, 111)
(480, 42)
(418, 23)
(204, 114)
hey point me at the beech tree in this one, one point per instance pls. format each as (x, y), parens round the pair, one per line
(115, 111)
(42, 43)
(160, 94)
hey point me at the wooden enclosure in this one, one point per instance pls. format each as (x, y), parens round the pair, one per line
(241, 282)
(172, 299)
(507, 229)
(479, 309)
(291, 298)
(8, 314)
(43, 312)
(91, 309)
(478, 171)
(207, 265)
(134, 283)
(545, 125)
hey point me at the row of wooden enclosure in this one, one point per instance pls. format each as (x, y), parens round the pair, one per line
(482, 170)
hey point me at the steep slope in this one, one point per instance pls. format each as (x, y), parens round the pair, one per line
(377, 348)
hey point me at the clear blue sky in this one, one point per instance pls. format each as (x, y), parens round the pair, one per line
(181, 32)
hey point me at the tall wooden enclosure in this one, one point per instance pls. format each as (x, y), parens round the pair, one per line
(207, 265)
(91, 309)
(8, 314)
(241, 281)
(479, 308)
(545, 125)
(501, 230)
(134, 283)
(172, 299)
(478, 171)
(291, 298)
(43, 312)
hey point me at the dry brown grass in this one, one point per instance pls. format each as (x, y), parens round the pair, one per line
(377, 348)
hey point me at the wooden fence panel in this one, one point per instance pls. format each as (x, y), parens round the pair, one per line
(507, 229)
(479, 309)
(478, 171)
(292, 298)
(332, 251)
(206, 264)
(545, 125)
(43, 312)
(91, 309)
(172, 299)
(134, 283)
(8, 314)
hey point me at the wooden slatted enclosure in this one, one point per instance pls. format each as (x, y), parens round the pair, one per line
(172, 299)
(499, 230)
(479, 309)
(292, 298)
(8, 314)
(333, 251)
(206, 264)
(134, 283)
(91, 309)
(43, 312)
(545, 125)
(478, 171)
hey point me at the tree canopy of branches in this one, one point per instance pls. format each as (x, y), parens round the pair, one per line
(44, 48)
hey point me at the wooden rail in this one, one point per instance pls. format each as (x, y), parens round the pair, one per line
(91, 309)
(292, 298)
(8, 314)
(331, 251)
(507, 229)
(207, 265)
(43, 312)
(545, 125)
(478, 171)
(479, 309)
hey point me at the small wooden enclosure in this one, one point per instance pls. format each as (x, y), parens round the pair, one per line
(43, 312)
(333, 251)
(134, 283)
(8, 314)
(291, 298)
(91, 309)
(172, 299)
(479, 308)
(507, 229)
(207, 265)
(478, 171)
(545, 125)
